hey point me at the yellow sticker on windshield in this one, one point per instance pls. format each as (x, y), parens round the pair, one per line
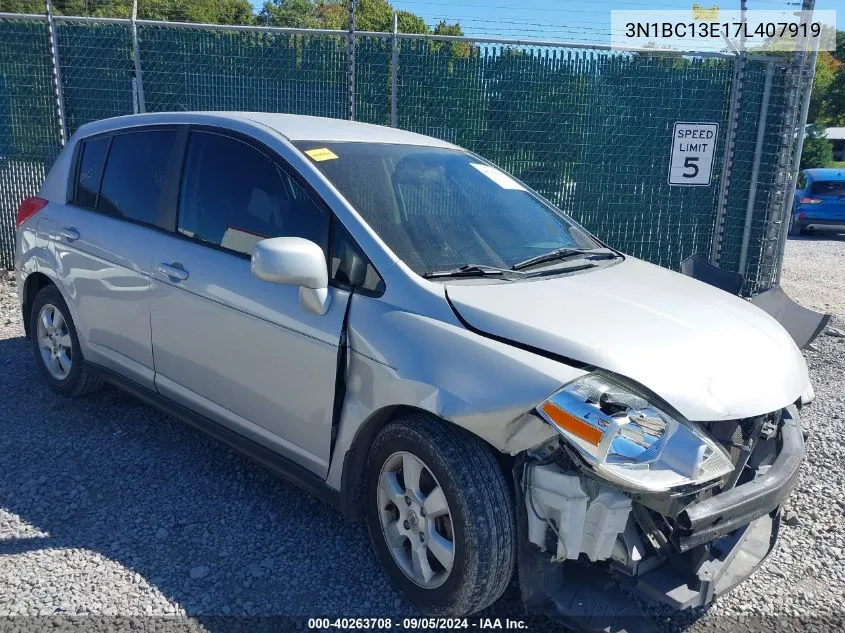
(321, 154)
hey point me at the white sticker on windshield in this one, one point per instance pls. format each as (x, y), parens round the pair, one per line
(499, 177)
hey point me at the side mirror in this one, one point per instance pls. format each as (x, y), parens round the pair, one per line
(294, 261)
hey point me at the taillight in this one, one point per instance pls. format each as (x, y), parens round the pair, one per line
(810, 200)
(28, 208)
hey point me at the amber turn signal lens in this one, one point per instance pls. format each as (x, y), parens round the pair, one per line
(571, 424)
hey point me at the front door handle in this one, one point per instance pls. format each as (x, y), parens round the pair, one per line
(174, 271)
(69, 233)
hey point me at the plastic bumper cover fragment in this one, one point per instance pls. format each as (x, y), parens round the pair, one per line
(707, 520)
(722, 541)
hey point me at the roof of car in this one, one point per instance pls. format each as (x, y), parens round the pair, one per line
(826, 173)
(294, 127)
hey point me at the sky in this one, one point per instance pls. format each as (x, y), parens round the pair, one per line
(573, 20)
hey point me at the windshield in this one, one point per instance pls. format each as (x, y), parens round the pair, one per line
(439, 209)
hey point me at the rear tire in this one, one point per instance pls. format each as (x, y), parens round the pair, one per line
(56, 345)
(475, 516)
(795, 229)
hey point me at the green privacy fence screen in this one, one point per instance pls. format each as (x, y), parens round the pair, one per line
(589, 128)
(29, 136)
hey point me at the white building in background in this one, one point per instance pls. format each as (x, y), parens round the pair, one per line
(836, 135)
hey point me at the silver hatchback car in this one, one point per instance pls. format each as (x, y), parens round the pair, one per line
(407, 331)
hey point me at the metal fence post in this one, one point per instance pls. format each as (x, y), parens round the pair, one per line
(56, 72)
(737, 83)
(737, 79)
(798, 131)
(394, 73)
(136, 54)
(350, 51)
(755, 167)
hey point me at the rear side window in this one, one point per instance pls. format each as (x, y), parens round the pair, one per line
(833, 188)
(134, 177)
(233, 196)
(93, 157)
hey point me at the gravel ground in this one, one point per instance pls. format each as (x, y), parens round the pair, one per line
(109, 508)
(814, 272)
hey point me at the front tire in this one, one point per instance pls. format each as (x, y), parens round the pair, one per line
(56, 345)
(440, 515)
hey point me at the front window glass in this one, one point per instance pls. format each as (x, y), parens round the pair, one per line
(234, 196)
(441, 208)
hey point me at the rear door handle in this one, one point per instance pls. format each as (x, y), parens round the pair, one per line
(174, 271)
(69, 233)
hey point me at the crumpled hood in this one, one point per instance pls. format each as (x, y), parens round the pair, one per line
(709, 354)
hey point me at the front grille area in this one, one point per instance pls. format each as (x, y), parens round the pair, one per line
(739, 438)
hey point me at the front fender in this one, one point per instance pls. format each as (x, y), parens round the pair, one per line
(434, 364)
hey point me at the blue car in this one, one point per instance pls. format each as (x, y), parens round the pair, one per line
(819, 203)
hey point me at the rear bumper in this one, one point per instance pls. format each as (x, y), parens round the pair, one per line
(821, 224)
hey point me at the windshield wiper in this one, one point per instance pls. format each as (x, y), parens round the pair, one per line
(467, 270)
(565, 253)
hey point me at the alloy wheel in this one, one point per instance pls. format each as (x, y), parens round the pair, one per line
(415, 520)
(54, 342)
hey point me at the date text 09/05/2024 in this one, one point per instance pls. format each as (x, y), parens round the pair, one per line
(416, 623)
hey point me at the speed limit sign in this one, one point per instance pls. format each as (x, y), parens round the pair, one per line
(693, 148)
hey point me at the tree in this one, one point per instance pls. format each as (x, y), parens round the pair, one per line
(370, 15)
(839, 53)
(290, 13)
(444, 28)
(410, 23)
(21, 6)
(204, 11)
(817, 150)
(827, 67)
(827, 102)
(456, 49)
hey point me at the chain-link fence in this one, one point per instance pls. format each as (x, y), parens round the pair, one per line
(588, 127)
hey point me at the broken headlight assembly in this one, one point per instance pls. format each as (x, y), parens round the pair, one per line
(628, 440)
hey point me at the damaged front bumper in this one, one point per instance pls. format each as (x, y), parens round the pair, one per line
(588, 549)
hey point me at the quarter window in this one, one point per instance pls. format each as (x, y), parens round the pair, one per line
(233, 196)
(135, 172)
(93, 157)
(348, 261)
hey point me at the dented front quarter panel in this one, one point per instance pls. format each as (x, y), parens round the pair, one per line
(426, 359)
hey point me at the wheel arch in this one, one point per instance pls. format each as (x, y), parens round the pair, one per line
(35, 283)
(355, 459)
